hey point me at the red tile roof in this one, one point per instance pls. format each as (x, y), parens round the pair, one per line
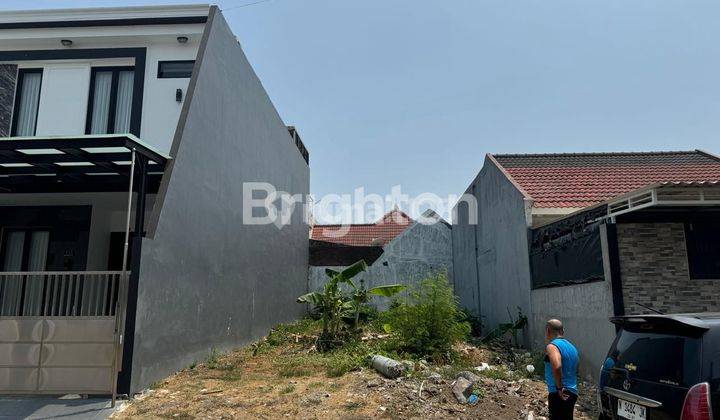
(372, 234)
(584, 179)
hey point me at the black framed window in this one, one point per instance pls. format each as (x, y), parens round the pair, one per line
(23, 249)
(175, 69)
(703, 248)
(110, 101)
(27, 102)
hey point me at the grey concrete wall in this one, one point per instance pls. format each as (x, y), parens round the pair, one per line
(502, 257)
(584, 310)
(465, 279)
(206, 280)
(419, 251)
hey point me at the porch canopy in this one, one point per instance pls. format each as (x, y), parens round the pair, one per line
(667, 196)
(85, 163)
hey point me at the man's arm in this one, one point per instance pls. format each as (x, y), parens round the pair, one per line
(556, 365)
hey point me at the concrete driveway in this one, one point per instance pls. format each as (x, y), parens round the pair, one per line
(49, 407)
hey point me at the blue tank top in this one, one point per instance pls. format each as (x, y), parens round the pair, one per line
(570, 358)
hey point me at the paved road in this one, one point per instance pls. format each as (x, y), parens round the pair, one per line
(54, 407)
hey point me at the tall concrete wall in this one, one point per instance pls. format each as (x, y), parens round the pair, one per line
(412, 256)
(502, 258)
(584, 310)
(465, 276)
(206, 280)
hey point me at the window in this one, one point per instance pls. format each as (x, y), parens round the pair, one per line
(23, 250)
(703, 249)
(110, 102)
(175, 69)
(27, 100)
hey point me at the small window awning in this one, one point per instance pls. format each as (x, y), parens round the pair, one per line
(86, 163)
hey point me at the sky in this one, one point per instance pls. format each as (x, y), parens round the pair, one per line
(416, 92)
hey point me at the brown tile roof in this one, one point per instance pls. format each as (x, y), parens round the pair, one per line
(584, 179)
(372, 234)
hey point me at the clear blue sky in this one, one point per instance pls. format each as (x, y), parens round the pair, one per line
(415, 92)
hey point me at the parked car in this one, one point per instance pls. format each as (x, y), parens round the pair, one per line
(662, 367)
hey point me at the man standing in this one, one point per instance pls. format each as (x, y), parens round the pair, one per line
(561, 364)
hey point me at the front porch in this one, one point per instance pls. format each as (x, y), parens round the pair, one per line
(72, 217)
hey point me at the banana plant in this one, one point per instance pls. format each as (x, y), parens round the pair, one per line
(361, 295)
(333, 304)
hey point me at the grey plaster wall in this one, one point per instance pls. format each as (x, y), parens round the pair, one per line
(206, 280)
(503, 268)
(465, 276)
(419, 251)
(584, 310)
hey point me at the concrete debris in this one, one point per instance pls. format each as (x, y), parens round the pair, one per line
(435, 378)
(374, 383)
(409, 365)
(462, 389)
(470, 376)
(388, 367)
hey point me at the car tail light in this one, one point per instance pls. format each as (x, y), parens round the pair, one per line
(697, 403)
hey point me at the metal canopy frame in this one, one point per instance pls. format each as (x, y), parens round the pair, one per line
(666, 194)
(85, 163)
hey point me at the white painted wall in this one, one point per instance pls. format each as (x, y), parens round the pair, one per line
(63, 99)
(160, 110)
(66, 83)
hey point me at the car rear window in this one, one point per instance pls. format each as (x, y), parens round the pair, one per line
(665, 358)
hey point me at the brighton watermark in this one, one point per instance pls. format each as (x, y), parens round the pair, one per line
(264, 204)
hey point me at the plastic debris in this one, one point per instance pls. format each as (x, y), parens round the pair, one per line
(483, 366)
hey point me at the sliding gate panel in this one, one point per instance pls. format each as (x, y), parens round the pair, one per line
(70, 353)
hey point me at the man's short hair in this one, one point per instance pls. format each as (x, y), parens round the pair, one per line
(555, 325)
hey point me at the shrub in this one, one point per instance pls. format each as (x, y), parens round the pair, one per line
(427, 322)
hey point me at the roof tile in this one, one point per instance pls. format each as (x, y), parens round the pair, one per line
(374, 234)
(583, 179)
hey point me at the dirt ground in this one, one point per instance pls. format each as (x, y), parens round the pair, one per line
(248, 384)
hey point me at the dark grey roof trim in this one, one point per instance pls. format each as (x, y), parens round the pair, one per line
(105, 22)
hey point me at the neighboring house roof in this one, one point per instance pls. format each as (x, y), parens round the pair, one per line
(370, 234)
(576, 180)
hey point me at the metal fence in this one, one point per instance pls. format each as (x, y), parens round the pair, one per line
(60, 293)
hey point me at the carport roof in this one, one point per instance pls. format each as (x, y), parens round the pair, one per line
(86, 163)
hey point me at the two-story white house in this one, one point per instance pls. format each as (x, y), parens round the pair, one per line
(125, 137)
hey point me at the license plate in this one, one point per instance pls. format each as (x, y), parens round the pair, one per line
(630, 410)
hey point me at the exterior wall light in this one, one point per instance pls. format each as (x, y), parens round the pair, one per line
(182, 39)
(66, 42)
